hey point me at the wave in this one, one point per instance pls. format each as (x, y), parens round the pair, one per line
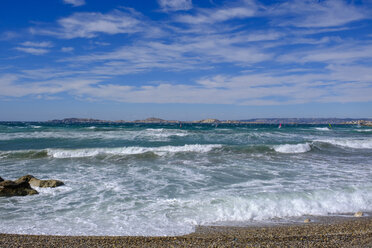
(268, 206)
(119, 151)
(364, 130)
(178, 216)
(93, 132)
(349, 143)
(162, 132)
(289, 148)
(23, 154)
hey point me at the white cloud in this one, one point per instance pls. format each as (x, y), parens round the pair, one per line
(276, 59)
(246, 89)
(75, 3)
(185, 53)
(35, 48)
(317, 14)
(210, 16)
(32, 50)
(174, 5)
(342, 54)
(89, 25)
(37, 44)
(67, 49)
(100, 43)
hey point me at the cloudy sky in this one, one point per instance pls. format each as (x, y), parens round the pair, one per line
(185, 59)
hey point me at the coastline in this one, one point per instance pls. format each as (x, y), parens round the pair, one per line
(326, 232)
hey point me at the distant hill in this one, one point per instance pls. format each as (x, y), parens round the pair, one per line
(351, 121)
(305, 120)
(78, 120)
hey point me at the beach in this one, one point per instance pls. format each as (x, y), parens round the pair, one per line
(330, 232)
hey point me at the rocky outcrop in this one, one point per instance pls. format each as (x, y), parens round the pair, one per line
(22, 186)
(10, 188)
(33, 181)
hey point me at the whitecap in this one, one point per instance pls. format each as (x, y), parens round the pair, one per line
(323, 129)
(163, 150)
(289, 148)
(364, 130)
(350, 143)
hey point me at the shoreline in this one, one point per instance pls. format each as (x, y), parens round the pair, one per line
(326, 232)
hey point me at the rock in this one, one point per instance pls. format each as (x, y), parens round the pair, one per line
(358, 214)
(307, 221)
(45, 183)
(33, 181)
(10, 188)
(26, 178)
(1, 179)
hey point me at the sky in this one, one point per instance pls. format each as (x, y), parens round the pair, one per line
(185, 59)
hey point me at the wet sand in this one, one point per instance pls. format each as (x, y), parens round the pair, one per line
(325, 232)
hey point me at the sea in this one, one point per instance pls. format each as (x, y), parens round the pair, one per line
(167, 179)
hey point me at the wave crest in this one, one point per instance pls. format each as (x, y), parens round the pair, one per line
(289, 148)
(163, 150)
(349, 143)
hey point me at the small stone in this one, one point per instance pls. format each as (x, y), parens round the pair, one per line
(307, 221)
(358, 214)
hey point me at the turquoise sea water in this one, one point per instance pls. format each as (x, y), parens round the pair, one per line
(131, 179)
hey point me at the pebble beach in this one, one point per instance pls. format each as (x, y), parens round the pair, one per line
(328, 232)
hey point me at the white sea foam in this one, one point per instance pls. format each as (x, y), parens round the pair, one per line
(350, 143)
(120, 134)
(274, 205)
(364, 130)
(174, 216)
(162, 132)
(289, 148)
(163, 150)
(323, 129)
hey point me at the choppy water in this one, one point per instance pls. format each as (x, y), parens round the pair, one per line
(164, 180)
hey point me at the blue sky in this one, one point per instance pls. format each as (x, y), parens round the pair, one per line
(185, 59)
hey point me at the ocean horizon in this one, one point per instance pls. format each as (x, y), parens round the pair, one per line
(166, 179)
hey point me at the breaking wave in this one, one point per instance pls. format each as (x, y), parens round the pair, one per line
(119, 151)
(349, 143)
(322, 128)
(289, 148)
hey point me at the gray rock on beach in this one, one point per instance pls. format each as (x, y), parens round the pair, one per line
(33, 181)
